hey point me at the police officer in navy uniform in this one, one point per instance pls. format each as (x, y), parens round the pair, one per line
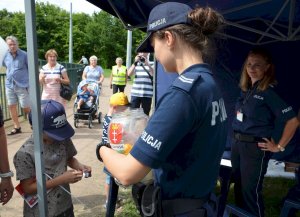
(185, 137)
(257, 109)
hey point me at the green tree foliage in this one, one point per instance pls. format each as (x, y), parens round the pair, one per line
(98, 34)
(13, 24)
(52, 26)
(107, 38)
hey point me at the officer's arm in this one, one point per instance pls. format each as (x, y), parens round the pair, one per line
(125, 168)
(288, 131)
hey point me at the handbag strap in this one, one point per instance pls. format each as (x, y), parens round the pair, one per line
(60, 69)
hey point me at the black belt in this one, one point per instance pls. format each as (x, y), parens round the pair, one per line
(179, 206)
(247, 138)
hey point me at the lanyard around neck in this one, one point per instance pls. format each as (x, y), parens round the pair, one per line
(250, 92)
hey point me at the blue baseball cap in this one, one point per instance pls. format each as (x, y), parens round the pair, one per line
(54, 120)
(162, 16)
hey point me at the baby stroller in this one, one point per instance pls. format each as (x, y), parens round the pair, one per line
(89, 108)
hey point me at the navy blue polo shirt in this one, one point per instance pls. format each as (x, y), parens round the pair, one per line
(185, 137)
(260, 112)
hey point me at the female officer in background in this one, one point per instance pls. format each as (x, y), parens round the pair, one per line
(185, 137)
(256, 111)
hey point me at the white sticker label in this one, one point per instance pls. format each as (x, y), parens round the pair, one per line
(239, 116)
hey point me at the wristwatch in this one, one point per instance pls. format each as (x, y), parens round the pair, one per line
(280, 148)
(7, 175)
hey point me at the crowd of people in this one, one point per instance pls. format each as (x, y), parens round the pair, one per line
(186, 132)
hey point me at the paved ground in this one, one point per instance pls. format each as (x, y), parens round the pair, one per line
(88, 194)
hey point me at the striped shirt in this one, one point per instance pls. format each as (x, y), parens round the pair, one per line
(51, 88)
(142, 86)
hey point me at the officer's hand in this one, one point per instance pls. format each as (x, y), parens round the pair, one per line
(268, 145)
(98, 149)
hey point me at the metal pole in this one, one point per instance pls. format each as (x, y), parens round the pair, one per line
(129, 47)
(35, 97)
(71, 37)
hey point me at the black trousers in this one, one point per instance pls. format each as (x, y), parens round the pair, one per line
(249, 165)
(145, 102)
(118, 88)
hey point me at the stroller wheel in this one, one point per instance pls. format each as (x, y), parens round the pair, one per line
(76, 121)
(99, 117)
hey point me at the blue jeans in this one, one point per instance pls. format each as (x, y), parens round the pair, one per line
(18, 94)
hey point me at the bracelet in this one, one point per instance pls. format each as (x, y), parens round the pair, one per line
(7, 175)
(282, 149)
(98, 149)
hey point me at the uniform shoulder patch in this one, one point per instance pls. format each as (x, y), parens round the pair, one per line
(186, 81)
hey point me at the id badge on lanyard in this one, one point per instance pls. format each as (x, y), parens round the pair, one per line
(239, 115)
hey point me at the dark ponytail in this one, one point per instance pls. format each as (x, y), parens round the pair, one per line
(206, 20)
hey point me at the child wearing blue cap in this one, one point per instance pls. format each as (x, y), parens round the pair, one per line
(59, 152)
(185, 137)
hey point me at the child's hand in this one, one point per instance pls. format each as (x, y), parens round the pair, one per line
(85, 168)
(91, 91)
(72, 176)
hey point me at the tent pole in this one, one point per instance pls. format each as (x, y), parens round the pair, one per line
(35, 98)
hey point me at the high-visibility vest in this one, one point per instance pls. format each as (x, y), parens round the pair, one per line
(119, 75)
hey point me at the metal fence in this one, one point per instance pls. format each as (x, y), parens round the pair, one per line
(74, 73)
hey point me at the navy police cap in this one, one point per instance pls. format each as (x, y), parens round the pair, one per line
(162, 16)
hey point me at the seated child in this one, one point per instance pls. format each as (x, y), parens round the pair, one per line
(61, 166)
(85, 95)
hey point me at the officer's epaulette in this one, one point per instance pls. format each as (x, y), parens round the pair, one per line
(186, 80)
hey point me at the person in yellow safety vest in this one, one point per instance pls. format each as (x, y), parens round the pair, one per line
(118, 77)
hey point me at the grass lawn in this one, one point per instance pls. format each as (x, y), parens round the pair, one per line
(274, 190)
(107, 73)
